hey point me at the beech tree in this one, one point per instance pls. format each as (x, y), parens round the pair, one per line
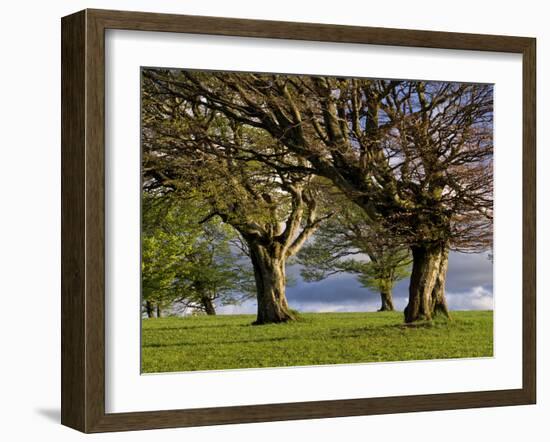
(441, 149)
(163, 252)
(190, 148)
(217, 273)
(351, 243)
(414, 155)
(185, 263)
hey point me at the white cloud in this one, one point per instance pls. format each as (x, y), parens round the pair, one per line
(246, 308)
(334, 307)
(477, 298)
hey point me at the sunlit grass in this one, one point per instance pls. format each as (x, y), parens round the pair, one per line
(230, 341)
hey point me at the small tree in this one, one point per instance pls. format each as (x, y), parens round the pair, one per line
(165, 244)
(351, 243)
(217, 273)
(184, 262)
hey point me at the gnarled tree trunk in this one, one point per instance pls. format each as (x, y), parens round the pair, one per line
(269, 273)
(439, 302)
(387, 301)
(426, 272)
(208, 305)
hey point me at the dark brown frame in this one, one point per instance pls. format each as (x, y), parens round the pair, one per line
(83, 215)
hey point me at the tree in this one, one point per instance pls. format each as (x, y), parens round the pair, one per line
(192, 149)
(163, 250)
(185, 263)
(341, 245)
(414, 155)
(216, 272)
(441, 144)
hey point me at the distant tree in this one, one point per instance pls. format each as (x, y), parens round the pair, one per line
(350, 243)
(217, 273)
(164, 247)
(186, 263)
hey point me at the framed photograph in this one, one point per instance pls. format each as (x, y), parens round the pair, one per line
(267, 221)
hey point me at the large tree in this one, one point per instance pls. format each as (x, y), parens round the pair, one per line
(415, 155)
(440, 148)
(190, 148)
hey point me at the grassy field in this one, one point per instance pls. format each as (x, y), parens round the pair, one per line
(224, 342)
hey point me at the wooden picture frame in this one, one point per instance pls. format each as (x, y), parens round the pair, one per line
(83, 216)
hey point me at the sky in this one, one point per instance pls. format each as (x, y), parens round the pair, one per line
(469, 287)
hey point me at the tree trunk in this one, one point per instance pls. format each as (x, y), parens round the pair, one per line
(208, 306)
(387, 301)
(149, 309)
(439, 303)
(159, 312)
(425, 272)
(269, 274)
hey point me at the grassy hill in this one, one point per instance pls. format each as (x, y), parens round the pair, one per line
(225, 342)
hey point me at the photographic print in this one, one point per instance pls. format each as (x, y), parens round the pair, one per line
(248, 204)
(302, 220)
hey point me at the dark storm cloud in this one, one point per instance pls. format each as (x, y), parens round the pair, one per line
(341, 287)
(466, 271)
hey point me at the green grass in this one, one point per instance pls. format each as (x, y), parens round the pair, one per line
(225, 342)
